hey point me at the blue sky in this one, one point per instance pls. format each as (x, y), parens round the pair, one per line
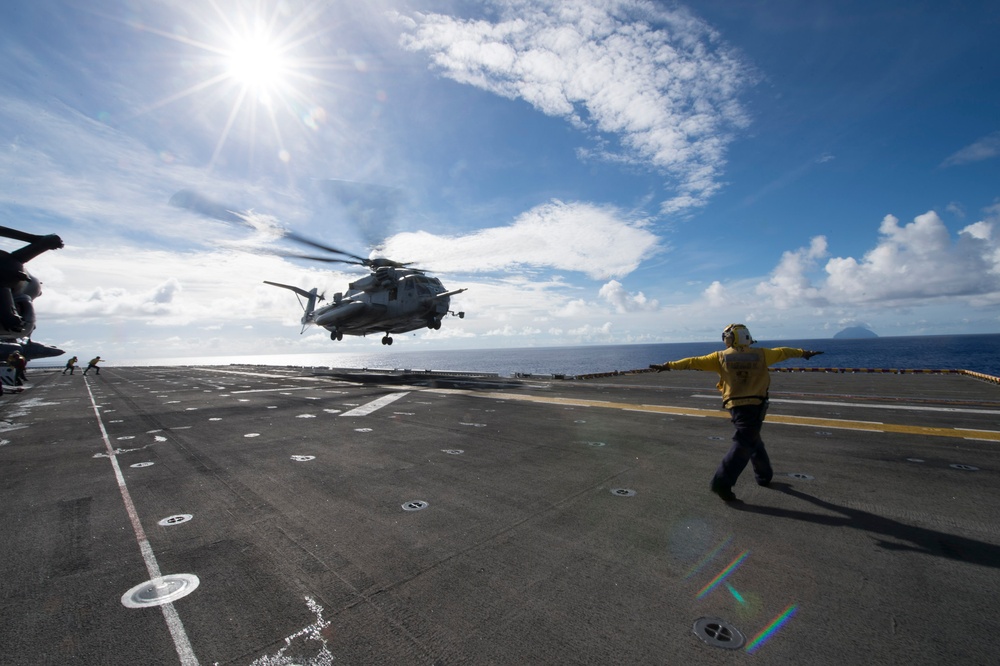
(593, 171)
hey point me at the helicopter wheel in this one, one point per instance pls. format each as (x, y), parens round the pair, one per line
(335, 335)
(387, 340)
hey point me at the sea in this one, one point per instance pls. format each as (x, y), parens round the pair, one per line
(979, 353)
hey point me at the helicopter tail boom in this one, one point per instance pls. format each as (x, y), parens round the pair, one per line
(311, 297)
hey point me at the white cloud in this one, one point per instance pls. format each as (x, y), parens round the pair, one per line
(658, 79)
(511, 331)
(985, 148)
(909, 265)
(598, 241)
(591, 333)
(615, 294)
(789, 284)
(715, 294)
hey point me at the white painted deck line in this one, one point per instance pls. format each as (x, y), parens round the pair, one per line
(378, 403)
(174, 624)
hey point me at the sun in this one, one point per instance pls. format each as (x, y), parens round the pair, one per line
(258, 76)
(255, 61)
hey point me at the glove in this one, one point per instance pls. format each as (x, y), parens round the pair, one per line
(659, 367)
(809, 354)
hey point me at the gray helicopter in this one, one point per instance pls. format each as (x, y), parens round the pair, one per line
(392, 298)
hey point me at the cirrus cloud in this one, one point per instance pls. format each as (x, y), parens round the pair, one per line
(660, 80)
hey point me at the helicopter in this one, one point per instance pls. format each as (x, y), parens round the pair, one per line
(18, 289)
(392, 298)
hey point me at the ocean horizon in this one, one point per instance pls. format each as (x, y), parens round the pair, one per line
(975, 352)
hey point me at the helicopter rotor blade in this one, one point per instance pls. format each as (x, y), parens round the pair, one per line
(14, 234)
(299, 238)
(312, 257)
(199, 203)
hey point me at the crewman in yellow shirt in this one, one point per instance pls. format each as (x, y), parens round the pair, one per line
(743, 381)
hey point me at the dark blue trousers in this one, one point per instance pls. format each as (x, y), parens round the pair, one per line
(747, 447)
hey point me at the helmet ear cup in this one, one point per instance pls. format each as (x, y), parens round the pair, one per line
(727, 335)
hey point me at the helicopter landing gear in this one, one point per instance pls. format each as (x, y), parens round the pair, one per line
(336, 335)
(386, 340)
(434, 324)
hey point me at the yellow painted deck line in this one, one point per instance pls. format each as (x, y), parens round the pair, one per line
(839, 424)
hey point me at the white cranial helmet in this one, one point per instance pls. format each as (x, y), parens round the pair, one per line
(737, 335)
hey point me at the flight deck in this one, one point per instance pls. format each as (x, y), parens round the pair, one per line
(265, 516)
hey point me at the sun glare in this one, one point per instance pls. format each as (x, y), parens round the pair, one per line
(256, 62)
(264, 68)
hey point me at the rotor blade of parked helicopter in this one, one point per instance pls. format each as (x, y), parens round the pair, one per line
(7, 232)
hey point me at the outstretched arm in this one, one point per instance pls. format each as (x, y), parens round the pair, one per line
(706, 362)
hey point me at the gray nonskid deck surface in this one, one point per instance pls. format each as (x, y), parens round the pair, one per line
(428, 520)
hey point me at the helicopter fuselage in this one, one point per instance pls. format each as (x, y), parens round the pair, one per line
(389, 300)
(17, 313)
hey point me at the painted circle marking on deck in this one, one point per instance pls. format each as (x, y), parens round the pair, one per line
(414, 505)
(252, 434)
(215, 418)
(159, 438)
(123, 437)
(474, 425)
(623, 492)
(142, 464)
(159, 591)
(800, 476)
(595, 444)
(453, 452)
(303, 458)
(718, 633)
(332, 411)
(362, 430)
(824, 433)
(579, 421)
(306, 416)
(967, 468)
(117, 421)
(272, 406)
(176, 519)
(916, 460)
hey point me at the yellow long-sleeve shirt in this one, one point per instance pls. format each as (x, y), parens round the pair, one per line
(743, 375)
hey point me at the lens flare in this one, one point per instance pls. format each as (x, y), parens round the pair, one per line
(708, 558)
(771, 629)
(733, 566)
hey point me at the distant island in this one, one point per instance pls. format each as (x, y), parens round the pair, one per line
(855, 332)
